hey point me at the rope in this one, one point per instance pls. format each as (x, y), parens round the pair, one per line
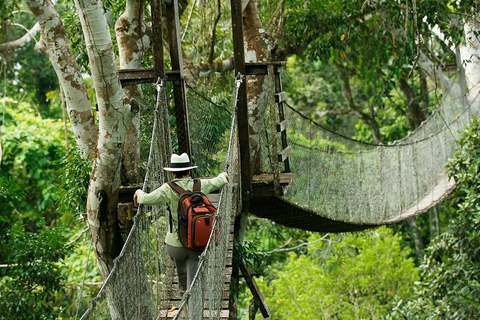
(202, 258)
(159, 87)
(394, 144)
(207, 99)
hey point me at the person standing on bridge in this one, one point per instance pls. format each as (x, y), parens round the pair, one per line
(186, 260)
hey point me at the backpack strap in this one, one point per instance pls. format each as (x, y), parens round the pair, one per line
(176, 187)
(196, 186)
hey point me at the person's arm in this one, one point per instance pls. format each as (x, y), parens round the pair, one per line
(210, 185)
(157, 196)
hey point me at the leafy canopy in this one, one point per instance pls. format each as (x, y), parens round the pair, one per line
(356, 276)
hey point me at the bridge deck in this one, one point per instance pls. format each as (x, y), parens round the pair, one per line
(266, 205)
(176, 300)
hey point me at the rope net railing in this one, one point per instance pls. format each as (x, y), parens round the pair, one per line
(143, 283)
(208, 296)
(362, 183)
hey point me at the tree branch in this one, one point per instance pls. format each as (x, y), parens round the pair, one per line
(18, 43)
(324, 238)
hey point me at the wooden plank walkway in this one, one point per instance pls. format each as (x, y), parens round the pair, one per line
(437, 193)
(176, 300)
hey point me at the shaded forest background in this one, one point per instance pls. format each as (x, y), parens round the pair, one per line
(351, 65)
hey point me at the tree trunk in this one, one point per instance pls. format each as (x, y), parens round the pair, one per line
(259, 88)
(415, 114)
(132, 41)
(114, 119)
(56, 46)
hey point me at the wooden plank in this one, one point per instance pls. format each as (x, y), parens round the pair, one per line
(147, 75)
(267, 178)
(281, 97)
(258, 69)
(263, 185)
(144, 75)
(284, 154)
(164, 314)
(282, 126)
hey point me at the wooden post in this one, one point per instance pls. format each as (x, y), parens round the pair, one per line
(242, 108)
(179, 92)
(158, 60)
(244, 146)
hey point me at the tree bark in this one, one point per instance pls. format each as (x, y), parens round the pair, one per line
(55, 44)
(259, 88)
(114, 118)
(133, 41)
(415, 114)
(470, 54)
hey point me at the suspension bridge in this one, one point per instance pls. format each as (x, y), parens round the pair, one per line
(311, 178)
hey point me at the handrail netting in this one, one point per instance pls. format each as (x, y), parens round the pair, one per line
(142, 282)
(364, 183)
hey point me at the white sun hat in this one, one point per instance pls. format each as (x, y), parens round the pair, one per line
(180, 163)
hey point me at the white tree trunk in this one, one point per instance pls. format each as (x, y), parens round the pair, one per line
(56, 46)
(114, 118)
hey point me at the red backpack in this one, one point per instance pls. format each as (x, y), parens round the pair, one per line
(195, 216)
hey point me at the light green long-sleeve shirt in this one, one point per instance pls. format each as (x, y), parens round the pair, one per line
(165, 194)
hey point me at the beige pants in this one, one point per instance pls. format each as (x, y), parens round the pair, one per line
(186, 261)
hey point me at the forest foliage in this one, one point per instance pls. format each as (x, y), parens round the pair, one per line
(349, 66)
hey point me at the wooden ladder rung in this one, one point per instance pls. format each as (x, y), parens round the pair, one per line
(280, 97)
(284, 154)
(282, 126)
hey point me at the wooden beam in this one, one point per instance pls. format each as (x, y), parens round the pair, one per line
(254, 289)
(158, 59)
(147, 75)
(144, 75)
(262, 68)
(179, 92)
(242, 108)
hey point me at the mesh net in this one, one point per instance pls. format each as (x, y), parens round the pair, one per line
(362, 183)
(334, 177)
(142, 284)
